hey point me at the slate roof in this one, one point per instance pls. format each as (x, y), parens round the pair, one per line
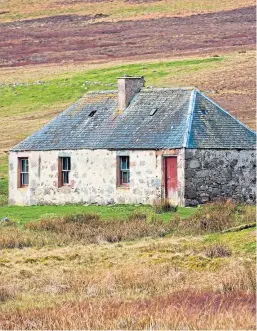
(157, 118)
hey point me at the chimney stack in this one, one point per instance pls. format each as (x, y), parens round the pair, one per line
(128, 87)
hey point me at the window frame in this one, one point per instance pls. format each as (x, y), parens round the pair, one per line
(122, 170)
(22, 172)
(62, 171)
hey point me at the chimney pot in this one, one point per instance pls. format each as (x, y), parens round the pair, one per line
(128, 87)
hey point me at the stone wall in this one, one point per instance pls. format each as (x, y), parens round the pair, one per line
(213, 174)
(93, 177)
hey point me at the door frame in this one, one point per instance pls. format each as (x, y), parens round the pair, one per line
(164, 173)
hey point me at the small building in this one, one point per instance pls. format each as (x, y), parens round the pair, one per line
(136, 145)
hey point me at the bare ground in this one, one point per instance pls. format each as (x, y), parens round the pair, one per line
(73, 38)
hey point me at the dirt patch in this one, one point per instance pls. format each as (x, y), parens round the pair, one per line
(72, 38)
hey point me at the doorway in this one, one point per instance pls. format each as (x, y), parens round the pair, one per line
(171, 177)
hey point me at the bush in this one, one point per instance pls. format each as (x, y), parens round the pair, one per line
(164, 205)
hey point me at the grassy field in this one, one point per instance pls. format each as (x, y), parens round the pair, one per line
(29, 99)
(25, 214)
(113, 10)
(81, 272)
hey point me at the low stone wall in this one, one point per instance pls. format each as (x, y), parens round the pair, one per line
(214, 174)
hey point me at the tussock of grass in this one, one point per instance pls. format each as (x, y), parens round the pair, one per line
(164, 205)
(89, 228)
(6, 293)
(15, 237)
(218, 250)
(239, 278)
(215, 217)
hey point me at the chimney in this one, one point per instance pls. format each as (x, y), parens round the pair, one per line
(128, 87)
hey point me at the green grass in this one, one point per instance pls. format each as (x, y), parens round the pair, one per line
(3, 179)
(23, 214)
(241, 242)
(30, 97)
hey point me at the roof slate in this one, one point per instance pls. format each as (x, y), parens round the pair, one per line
(183, 117)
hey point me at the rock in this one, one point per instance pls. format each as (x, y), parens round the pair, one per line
(193, 203)
(204, 197)
(5, 221)
(194, 164)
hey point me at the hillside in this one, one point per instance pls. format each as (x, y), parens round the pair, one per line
(113, 10)
(52, 52)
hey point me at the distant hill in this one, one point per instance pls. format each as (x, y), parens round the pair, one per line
(51, 48)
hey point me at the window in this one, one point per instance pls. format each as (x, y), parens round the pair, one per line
(153, 111)
(23, 169)
(124, 173)
(64, 170)
(92, 113)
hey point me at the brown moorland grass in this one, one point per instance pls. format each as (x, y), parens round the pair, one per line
(216, 217)
(89, 228)
(180, 310)
(114, 10)
(168, 282)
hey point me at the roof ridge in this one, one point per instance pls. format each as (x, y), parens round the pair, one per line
(153, 88)
(101, 92)
(225, 111)
(191, 108)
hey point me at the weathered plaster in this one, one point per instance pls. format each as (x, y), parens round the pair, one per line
(93, 177)
(212, 174)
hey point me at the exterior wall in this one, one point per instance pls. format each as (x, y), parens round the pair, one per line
(212, 174)
(93, 177)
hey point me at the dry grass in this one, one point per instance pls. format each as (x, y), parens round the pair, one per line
(216, 217)
(152, 282)
(218, 250)
(177, 311)
(89, 228)
(114, 10)
(125, 286)
(164, 205)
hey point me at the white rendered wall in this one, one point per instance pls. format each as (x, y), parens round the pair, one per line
(93, 177)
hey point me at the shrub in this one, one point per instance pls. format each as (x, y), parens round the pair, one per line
(164, 205)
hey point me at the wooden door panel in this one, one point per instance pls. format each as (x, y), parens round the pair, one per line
(171, 177)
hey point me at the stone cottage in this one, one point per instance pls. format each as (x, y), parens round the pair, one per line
(136, 145)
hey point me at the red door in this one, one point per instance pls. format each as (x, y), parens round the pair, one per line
(171, 178)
